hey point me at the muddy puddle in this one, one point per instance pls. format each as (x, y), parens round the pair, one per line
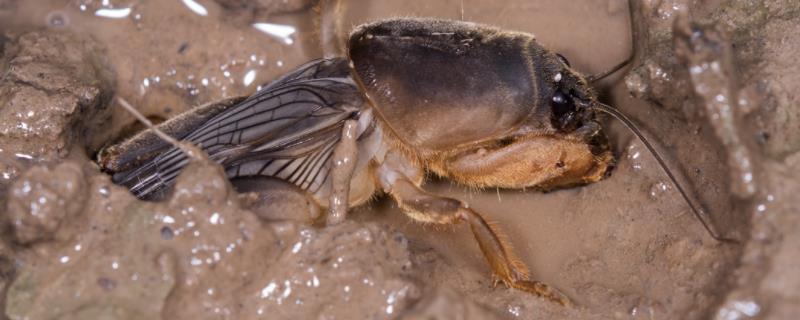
(712, 84)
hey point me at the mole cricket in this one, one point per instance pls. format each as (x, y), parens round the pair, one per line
(471, 103)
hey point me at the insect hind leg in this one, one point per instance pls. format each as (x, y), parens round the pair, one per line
(424, 207)
(272, 199)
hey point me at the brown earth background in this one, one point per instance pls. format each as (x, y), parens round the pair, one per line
(714, 83)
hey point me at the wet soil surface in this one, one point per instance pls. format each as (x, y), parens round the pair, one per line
(713, 84)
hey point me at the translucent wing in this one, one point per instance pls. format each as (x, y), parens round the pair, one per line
(287, 130)
(146, 145)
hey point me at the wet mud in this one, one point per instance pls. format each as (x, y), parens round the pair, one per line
(712, 83)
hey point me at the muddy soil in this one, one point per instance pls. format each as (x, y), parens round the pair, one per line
(712, 83)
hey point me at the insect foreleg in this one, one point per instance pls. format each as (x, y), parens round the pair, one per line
(343, 164)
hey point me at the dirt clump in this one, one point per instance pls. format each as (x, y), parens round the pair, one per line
(54, 93)
(728, 67)
(197, 255)
(42, 199)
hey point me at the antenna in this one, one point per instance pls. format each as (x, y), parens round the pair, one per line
(188, 149)
(634, 35)
(636, 131)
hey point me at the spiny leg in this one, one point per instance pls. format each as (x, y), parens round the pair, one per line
(428, 208)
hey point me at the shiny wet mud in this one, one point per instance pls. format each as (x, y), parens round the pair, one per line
(625, 247)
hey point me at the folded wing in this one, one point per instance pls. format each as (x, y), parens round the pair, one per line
(287, 130)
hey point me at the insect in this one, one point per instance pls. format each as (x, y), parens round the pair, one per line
(472, 103)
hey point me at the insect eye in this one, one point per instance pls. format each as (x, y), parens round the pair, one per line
(563, 59)
(562, 103)
(564, 116)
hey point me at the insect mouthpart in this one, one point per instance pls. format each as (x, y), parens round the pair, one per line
(571, 114)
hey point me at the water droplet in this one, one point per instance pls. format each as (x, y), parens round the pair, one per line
(104, 191)
(116, 13)
(739, 310)
(280, 31)
(297, 246)
(196, 7)
(658, 188)
(214, 219)
(514, 310)
(249, 77)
